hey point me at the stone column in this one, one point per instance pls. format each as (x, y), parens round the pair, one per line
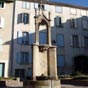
(52, 62)
(49, 35)
(37, 33)
(35, 61)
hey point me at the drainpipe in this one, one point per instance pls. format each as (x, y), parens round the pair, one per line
(12, 36)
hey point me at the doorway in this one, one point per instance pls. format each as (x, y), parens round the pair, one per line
(81, 64)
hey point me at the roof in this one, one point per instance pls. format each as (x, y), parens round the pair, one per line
(56, 4)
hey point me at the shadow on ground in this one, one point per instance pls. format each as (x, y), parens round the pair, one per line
(74, 82)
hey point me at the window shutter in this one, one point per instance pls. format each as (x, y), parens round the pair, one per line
(31, 38)
(36, 5)
(85, 24)
(83, 42)
(1, 22)
(80, 42)
(0, 44)
(30, 57)
(75, 20)
(71, 41)
(57, 21)
(18, 57)
(20, 18)
(19, 37)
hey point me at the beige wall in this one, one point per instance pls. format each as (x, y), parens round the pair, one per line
(5, 35)
(67, 51)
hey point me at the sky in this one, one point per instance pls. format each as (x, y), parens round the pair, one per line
(74, 2)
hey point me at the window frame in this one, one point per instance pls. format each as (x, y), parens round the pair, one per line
(74, 41)
(24, 5)
(59, 11)
(63, 41)
(73, 23)
(3, 5)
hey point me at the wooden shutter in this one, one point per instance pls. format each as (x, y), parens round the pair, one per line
(57, 21)
(31, 38)
(83, 42)
(71, 41)
(85, 24)
(75, 20)
(18, 57)
(80, 41)
(20, 18)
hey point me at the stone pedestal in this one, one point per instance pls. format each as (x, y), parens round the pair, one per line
(44, 61)
(42, 84)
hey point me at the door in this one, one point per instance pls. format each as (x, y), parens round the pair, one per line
(20, 73)
(1, 69)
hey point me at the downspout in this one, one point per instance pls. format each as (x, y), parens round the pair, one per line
(12, 36)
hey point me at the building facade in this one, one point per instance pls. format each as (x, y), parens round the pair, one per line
(69, 32)
(6, 22)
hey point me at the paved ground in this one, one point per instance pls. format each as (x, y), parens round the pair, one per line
(72, 86)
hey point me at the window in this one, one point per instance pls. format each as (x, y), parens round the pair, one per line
(75, 41)
(47, 7)
(58, 9)
(23, 38)
(58, 22)
(1, 44)
(85, 23)
(22, 58)
(36, 5)
(60, 61)
(26, 5)
(60, 40)
(86, 42)
(83, 12)
(1, 4)
(43, 38)
(23, 18)
(1, 22)
(73, 11)
(73, 23)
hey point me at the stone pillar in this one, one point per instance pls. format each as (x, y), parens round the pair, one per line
(52, 62)
(35, 61)
(49, 35)
(37, 33)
